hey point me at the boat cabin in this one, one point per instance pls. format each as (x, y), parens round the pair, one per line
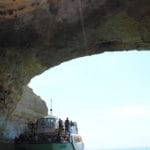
(48, 124)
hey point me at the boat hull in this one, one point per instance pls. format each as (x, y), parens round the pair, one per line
(49, 146)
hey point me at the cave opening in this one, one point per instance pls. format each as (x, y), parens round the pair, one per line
(107, 94)
(37, 35)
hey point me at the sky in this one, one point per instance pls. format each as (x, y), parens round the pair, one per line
(107, 94)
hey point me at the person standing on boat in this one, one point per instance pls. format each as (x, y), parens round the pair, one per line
(73, 129)
(76, 127)
(67, 125)
(60, 124)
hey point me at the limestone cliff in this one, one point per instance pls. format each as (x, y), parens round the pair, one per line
(28, 109)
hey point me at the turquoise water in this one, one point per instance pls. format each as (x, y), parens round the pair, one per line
(11, 147)
(6, 147)
(146, 148)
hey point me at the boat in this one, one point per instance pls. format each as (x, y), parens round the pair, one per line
(47, 134)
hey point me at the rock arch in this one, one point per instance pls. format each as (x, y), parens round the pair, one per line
(37, 35)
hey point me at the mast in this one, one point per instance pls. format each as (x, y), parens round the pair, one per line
(51, 110)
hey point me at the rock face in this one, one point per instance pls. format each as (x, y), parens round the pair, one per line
(38, 34)
(30, 108)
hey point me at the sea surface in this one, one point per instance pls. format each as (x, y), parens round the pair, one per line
(145, 148)
(11, 147)
(6, 147)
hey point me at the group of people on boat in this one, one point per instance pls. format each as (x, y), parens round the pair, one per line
(70, 127)
(34, 138)
(60, 134)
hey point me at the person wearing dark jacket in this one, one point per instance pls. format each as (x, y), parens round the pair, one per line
(67, 125)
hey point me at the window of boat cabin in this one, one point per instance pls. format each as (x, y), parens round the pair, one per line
(50, 122)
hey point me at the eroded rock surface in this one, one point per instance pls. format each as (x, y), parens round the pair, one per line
(29, 108)
(38, 34)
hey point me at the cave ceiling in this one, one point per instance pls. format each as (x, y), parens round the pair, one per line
(38, 34)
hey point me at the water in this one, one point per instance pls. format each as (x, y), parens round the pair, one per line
(6, 147)
(145, 148)
(11, 147)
